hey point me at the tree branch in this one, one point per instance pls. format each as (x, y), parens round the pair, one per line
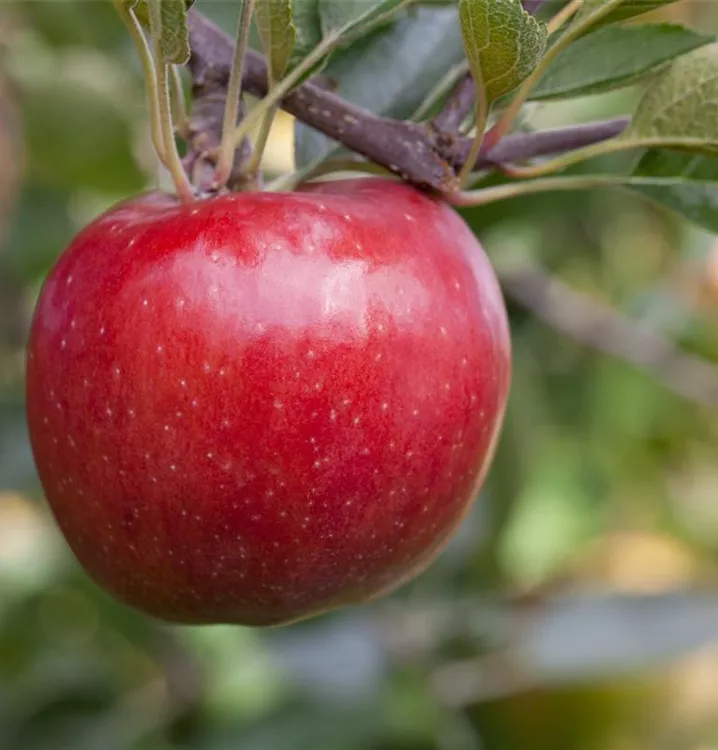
(418, 153)
(595, 324)
(458, 106)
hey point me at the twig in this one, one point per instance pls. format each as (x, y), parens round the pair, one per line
(418, 153)
(228, 143)
(595, 324)
(519, 147)
(458, 107)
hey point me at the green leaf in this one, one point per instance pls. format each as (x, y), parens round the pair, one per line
(685, 183)
(389, 72)
(141, 8)
(503, 43)
(682, 103)
(308, 29)
(316, 19)
(274, 22)
(622, 12)
(174, 42)
(352, 17)
(615, 56)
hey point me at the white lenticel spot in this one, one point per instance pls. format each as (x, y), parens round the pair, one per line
(443, 331)
(209, 454)
(222, 371)
(167, 428)
(160, 348)
(63, 343)
(346, 217)
(408, 217)
(317, 464)
(183, 383)
(356, 420)
(108, 411)
(173, 467)
(207, 367)
(278, 405)
(69, 279)
(384, 406)
(145, 303)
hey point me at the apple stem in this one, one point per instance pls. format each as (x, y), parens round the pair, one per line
(229, 142)
(170, 156)
(172, 160)
(260, 144)
(179, 104)
(130, 20)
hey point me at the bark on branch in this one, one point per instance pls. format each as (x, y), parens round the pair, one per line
(421, 154)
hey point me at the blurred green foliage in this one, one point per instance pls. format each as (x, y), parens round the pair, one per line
(577, 607)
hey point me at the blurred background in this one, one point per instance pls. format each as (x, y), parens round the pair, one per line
(578, 606)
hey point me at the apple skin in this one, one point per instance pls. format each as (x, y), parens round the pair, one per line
(259, 407)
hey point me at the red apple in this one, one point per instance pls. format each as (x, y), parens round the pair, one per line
(258, 407)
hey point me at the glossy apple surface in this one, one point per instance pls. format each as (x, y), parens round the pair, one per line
(259, 407)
